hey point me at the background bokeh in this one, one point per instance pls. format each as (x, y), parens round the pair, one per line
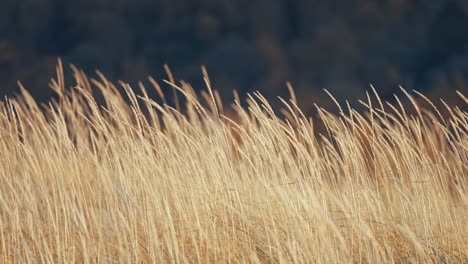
(341, 45)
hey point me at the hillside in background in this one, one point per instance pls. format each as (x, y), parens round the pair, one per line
(247, 45)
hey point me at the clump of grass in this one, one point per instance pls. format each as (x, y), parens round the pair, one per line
(133, 180)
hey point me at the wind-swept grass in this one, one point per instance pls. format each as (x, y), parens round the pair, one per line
(132, 180)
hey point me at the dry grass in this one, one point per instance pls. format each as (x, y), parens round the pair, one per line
(138, 181)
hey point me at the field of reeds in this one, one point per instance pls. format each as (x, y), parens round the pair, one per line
(129, 179)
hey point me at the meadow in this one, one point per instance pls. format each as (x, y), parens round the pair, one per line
(130, 179)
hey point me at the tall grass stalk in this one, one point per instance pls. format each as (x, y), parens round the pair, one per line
(131, 179)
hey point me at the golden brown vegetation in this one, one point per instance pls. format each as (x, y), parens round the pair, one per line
(133, 180)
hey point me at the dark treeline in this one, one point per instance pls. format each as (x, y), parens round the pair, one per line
(248, 45)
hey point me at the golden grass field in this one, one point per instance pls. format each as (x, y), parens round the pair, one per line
(137, 181)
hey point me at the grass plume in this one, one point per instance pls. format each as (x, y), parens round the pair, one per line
(133, 180)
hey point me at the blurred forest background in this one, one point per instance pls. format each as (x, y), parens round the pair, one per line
(341, 45)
